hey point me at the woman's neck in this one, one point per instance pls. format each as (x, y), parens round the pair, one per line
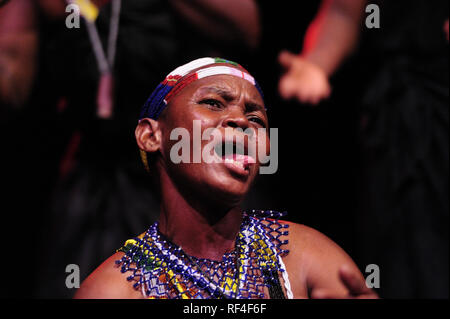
(201, 230)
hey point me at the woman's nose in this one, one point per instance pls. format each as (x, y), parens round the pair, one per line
(236, 119)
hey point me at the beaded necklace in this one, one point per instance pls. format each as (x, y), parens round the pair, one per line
(161, 269)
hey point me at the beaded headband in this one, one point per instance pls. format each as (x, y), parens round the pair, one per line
(179, 78)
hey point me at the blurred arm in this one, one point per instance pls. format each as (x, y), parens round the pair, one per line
(334, 33)
(330, 38)
(53, 8)
(231, 20)
(18, 47)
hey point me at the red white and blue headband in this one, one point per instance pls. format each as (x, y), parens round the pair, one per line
(183, 75)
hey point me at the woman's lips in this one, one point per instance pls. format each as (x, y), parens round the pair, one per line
(234, 155)
(238, 163)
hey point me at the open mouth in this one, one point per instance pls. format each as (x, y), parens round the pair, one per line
(235, 155)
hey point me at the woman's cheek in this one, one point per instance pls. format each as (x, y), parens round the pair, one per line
(263, 147)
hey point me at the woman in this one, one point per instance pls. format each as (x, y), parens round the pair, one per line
(204, 245)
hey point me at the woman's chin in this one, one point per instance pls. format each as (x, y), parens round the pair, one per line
(228, 188)
(216, 182)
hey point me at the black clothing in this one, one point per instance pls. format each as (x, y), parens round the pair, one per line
(404, 216)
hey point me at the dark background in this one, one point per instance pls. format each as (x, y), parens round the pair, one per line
(317, 183)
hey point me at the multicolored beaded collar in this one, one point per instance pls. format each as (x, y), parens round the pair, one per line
(161, 270)
(183, 75)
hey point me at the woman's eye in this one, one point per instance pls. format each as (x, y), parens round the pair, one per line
(258, 121)
(211, 102)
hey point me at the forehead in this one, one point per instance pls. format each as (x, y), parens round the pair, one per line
(223, 84)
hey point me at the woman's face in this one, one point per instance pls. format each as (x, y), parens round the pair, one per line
(229, 106)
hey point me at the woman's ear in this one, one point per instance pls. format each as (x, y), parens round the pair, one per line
(148, 135)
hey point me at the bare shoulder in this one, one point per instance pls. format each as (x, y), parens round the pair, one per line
(108, 282)
(314, 259)
(306, 240)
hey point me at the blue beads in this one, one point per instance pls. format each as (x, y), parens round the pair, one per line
(217, 293)
(201, 283)
(179, 268)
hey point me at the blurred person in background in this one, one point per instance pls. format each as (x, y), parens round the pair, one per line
(74, 166)
(402, 92)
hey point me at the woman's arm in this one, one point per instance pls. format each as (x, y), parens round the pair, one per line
(320, 265)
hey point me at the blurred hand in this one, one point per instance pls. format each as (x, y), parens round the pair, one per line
(355, 284)
(303, 80)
